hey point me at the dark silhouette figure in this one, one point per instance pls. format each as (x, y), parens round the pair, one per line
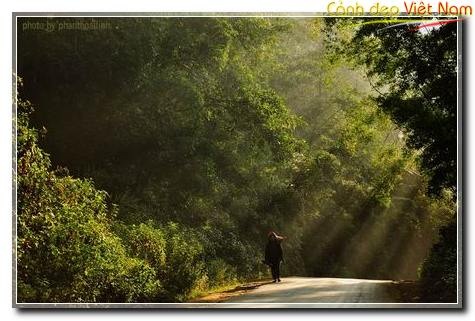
(273, 255)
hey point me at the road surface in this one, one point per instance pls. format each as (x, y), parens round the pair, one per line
(317, 290)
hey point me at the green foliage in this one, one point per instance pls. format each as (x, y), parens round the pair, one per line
(417, 76)
(356, 179)
(172, 251)
(184, 259)
(207, 133)
(416, 83)
(220, 272)
(145, 242)
(66, 251)
(184, 265)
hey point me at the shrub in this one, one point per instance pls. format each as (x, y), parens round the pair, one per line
(66, 251)
(184, 268)
(174, 253)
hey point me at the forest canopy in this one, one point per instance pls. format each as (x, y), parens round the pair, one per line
(154, 156)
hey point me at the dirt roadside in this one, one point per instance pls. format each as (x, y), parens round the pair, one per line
(225, 295)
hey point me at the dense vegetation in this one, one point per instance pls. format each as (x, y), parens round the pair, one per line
(193, 137)
(417, 76)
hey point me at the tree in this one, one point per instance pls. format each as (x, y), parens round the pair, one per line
(416, 82)
(66, 249)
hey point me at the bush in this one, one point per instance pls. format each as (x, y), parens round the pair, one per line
(220, 273)
(174, 253)
(146, 242)
(184, 268)
(66, 251)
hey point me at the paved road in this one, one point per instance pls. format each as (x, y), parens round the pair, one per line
(317, 290)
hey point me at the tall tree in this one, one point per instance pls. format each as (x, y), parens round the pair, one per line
(415, 73)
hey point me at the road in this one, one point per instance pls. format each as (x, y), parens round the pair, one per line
(317, 290)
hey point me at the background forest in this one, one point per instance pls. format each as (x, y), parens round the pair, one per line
(155, 156)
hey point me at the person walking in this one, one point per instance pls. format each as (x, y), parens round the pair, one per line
(274, 255)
